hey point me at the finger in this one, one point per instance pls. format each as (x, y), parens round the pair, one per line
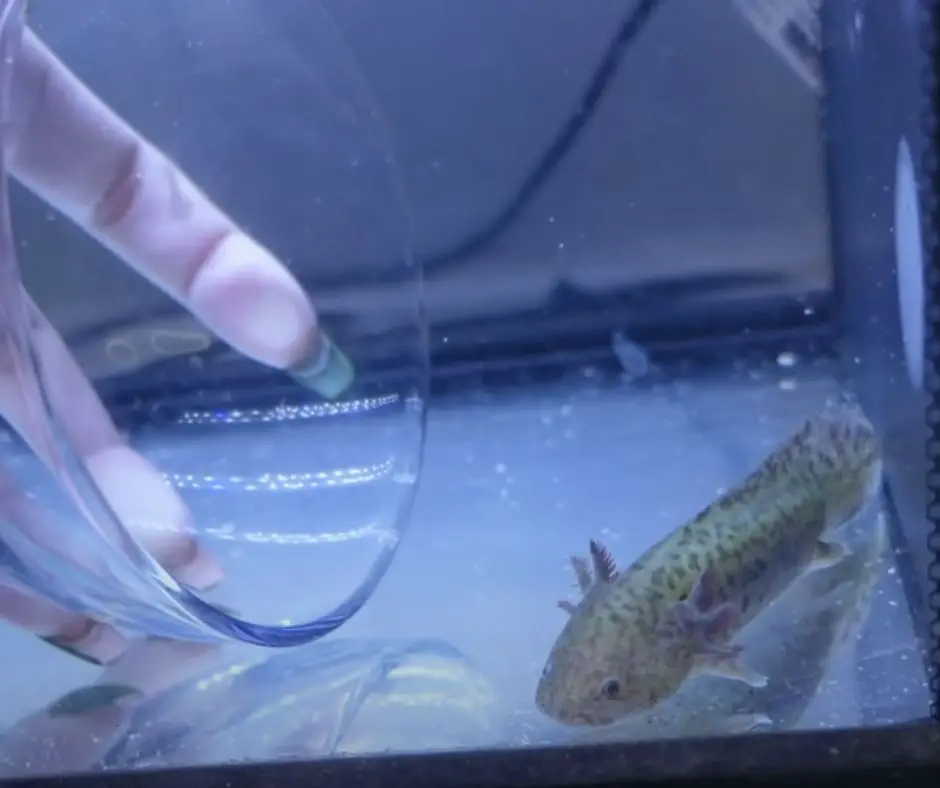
(144, 502)
(134, 489)
(73, 151)
(71, 632)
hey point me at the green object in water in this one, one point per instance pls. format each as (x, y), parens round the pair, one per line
(327, 371)
(88, 699)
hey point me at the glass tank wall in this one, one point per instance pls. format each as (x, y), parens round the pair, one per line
(612, 427)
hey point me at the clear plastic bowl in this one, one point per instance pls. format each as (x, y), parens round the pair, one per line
(297, 483)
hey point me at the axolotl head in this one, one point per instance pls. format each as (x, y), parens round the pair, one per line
(597, 672)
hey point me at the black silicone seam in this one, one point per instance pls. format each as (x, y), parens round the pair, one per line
(929, 205)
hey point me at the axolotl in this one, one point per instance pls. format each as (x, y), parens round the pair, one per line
(637, 635)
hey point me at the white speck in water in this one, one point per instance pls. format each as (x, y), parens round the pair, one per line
(566, 410)
(787, 384)
(809, 311)
(499, 468)
(787, 359)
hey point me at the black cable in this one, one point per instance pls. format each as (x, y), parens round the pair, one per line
(548, 163)
(546, 166)
(655, 295)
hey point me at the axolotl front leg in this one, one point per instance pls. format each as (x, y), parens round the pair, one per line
(705, 625)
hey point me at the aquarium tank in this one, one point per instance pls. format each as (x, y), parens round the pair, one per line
(468, 393)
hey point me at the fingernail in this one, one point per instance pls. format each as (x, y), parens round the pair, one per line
(70, 651)
(88, 699)
(273, 323)
(202, 571)
(99, 644)
(326, 369)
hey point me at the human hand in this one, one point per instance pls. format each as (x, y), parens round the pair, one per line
(65, 145)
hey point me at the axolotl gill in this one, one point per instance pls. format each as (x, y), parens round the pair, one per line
(637, 635)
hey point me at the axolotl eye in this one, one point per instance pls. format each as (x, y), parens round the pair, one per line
(610, 689)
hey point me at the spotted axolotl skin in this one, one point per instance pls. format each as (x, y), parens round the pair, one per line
(793, 643)
(637, 635)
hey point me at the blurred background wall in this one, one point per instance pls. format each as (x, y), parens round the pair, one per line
(699, 169)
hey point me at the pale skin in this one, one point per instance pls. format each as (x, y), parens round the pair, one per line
(81, 158)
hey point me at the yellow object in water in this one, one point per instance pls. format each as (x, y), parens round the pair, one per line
(352, 696)
(638, 635)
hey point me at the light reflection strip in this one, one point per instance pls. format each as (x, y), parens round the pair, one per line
(273, 482)
(282, 413)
